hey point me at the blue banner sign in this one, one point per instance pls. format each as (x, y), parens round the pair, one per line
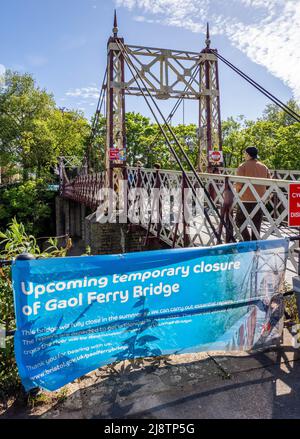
(76, 314)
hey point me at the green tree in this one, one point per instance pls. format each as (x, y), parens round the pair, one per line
(287, 143)
(21, 105)
(145, 143)
(276, 135)
(139, 133)
(33, 132)
(234, 140)
(30, 203)
(96, 144)
(70, 131)
(273, 113)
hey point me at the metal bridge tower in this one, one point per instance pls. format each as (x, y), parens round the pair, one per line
(166, 74)
(209, 108)
(115, 96)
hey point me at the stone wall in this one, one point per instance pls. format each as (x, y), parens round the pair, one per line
(117, 238)
(102, 238)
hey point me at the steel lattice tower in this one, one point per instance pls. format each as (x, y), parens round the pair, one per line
(209, 108)
(116, 132)
(167, 74)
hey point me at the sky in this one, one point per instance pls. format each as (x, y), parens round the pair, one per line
(62, 43)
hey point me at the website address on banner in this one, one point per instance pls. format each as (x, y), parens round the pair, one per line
(68, 363)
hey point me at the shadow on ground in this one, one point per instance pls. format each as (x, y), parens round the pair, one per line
(196, 386)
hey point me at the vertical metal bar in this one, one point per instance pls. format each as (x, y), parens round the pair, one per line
(123, 106)
(158, 186)
(176, 228)
(110, 127)
(275, 200)
(219, 107)
(208, 110)
(186, 238)
(200, 126)
(125, 192)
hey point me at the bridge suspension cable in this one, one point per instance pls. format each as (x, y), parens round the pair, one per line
(259, 87)
(101, 100)
(131, 66)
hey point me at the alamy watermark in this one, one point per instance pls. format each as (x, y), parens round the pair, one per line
(155, 205)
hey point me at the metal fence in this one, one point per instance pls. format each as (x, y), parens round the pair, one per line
(216, 207)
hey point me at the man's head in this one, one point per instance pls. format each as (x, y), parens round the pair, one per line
(251, 153)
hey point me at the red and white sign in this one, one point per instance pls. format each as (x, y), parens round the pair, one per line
(216, 156)
(294, 205)
(114, 154)
(117, 154)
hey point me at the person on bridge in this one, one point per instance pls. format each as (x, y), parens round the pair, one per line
(251, 168)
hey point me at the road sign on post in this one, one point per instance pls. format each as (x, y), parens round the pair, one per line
(215, 156)
(294, 205)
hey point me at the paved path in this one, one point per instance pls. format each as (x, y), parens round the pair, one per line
(201, 386)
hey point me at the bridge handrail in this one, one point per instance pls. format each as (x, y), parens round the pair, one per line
(236, 178)
(292, 173)
(273, 204)
(244, 179)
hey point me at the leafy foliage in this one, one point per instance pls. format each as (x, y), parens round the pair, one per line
(31, 203)
(145, 143)
(33, 132)
(276, 135)
(13, 242)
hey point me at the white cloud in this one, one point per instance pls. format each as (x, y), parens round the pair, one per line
(84, 92)
(268, 31)
(139, 18)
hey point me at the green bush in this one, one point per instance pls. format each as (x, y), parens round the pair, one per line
(32, 204)
(13, 242)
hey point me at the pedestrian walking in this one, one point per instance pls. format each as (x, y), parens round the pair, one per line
(251, 168)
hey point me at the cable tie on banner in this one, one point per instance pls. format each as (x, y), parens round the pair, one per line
(293, 238)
